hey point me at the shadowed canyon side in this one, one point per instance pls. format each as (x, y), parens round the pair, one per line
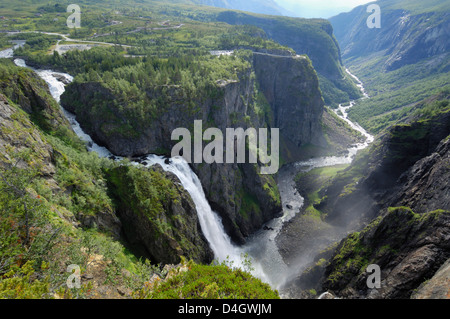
(399, 189)
(272, 91)
(411, 31)
(399, 186)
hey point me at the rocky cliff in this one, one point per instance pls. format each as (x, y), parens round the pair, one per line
(400, 191)
(275, 91)
(410, 32)
(294, 97)
(409, 248)
(158, 216)
(313, 37)
(383, 175)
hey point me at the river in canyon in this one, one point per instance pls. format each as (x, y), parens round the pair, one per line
(261, 247)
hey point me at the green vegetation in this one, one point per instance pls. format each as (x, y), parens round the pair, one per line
(134, 94)
(5, 42)
(311, 183)
(210, 282)
(393, 94)
(37, 217)
(154, 28)
(398, 67)
(336, 85)
(418, 7)
(386, 235)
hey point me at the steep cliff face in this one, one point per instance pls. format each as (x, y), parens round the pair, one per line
(164, 227)
(436, 287)
(313, 37)
(292, 90)
(409, 248)
(400, 190)
(410, 32)
(274, 92)
(290, 100)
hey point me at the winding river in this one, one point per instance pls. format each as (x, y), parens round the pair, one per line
(261, 247)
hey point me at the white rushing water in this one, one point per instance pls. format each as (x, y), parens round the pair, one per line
(211, 224)
(9, 53)
(342, 112)
(57, 88)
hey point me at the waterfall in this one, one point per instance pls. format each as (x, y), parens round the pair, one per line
(210, 222)
(9, 53)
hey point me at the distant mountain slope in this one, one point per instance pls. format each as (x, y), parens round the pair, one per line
(401, 63)
(313, 37)
(315, 9)
(411, 30)
(256, 6)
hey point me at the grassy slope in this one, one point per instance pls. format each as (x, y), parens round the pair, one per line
(394, 93)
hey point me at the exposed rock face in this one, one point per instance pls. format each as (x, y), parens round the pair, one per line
(313, 37)
(289, 84)
(425, 186)
(437, 287)
(404, 180)
(305, 36)
(408, 166)
(406, 36)
(294, 97)
(408, 247)
(288, 98)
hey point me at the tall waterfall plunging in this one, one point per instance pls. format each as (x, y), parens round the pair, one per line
(210, 222)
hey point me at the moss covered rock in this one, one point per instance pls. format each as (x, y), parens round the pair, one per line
(158, 216)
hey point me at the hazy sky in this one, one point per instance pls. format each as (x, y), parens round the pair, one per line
(319, 8)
